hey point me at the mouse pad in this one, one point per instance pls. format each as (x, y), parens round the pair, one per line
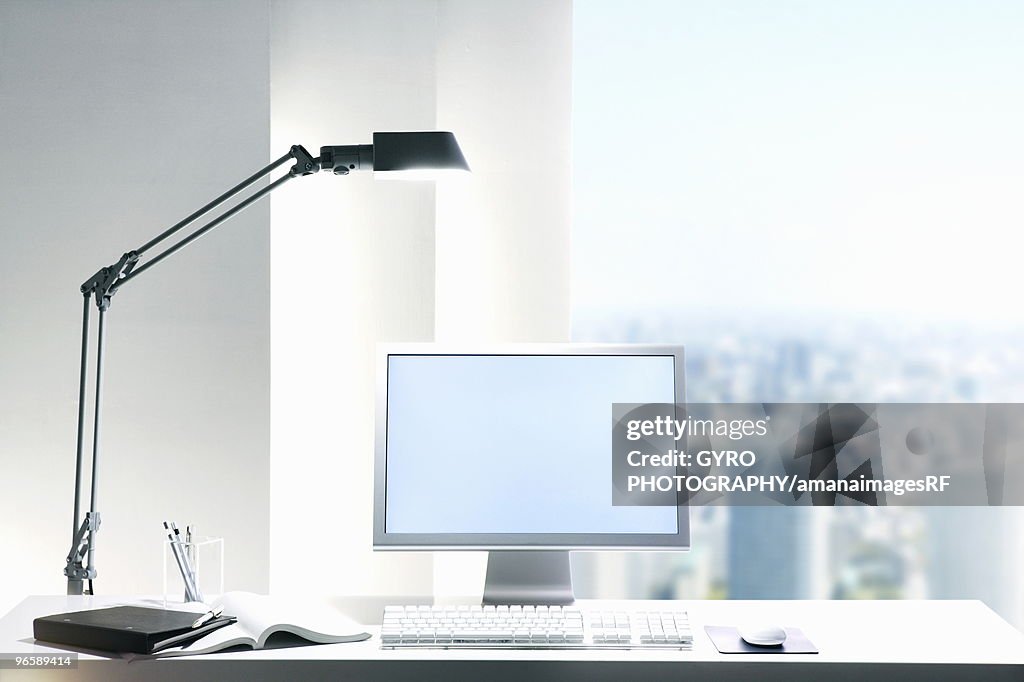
(726, 639)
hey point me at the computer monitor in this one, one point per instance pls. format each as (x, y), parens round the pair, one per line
(507, 449)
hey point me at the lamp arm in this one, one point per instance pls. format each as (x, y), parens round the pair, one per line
(79, 565)
(105, 282)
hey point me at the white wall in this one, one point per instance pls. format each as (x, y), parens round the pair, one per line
(118, 119)
(356, 264)
(505, 84)
(352, 265)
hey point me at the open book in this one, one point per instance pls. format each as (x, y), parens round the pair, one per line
(268, 622)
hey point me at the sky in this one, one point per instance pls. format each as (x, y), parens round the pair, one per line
(819, 157)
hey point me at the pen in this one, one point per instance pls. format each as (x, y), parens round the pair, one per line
(191, 551)
(208, 616)
(191, 577)
(177, 550)
(179, 556)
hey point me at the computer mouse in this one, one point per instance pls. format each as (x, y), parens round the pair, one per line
(763, 635)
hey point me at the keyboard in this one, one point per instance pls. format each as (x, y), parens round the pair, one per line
(532, 627)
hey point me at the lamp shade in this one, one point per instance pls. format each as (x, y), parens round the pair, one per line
(397, 154)
(406, 151)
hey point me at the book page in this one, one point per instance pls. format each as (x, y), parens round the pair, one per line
(223, 638)
(311, 619)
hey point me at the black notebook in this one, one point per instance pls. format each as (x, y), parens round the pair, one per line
(124, 629)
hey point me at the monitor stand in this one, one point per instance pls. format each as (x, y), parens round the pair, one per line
(528, 577)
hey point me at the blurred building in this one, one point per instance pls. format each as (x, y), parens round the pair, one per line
(770, 552)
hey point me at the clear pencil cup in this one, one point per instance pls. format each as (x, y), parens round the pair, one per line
(202, 560)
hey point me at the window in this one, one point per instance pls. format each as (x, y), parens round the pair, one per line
(820, 200)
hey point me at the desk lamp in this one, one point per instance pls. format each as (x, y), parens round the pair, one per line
(395, 153)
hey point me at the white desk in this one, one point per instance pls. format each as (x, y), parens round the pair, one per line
(858, 640)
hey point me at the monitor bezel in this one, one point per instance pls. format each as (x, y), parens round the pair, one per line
(515, 541)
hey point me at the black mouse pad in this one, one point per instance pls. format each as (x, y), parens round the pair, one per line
(727, 640)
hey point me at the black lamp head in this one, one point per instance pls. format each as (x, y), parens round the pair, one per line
(404, 151)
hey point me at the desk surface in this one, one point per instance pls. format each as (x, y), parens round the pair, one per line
(905, 640)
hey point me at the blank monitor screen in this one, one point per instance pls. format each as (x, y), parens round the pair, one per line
(514, 444)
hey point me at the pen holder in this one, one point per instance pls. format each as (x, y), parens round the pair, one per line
(206, 558)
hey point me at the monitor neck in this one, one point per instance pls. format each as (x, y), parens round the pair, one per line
(528, 577)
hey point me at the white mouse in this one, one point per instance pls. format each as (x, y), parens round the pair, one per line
(763, 635)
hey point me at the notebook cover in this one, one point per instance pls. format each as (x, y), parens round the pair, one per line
(123, 629)
(728, 641)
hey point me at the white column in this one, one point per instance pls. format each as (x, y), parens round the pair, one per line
(504, 85)
(352, 264)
